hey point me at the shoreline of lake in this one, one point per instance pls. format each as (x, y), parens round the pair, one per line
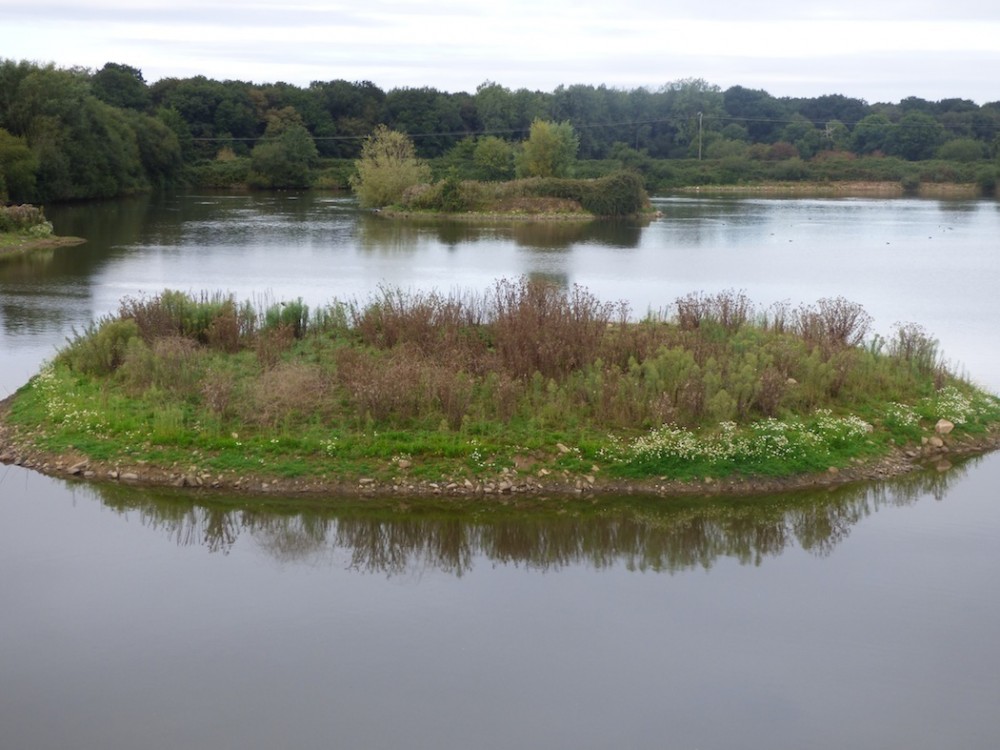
(13, 246)
(839, 188)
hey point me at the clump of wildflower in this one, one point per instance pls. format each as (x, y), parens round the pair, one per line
(901, 415)
(765, 442)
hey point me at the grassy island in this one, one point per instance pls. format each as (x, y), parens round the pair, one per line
(525, 387)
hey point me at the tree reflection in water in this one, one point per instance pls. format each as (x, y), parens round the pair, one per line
(641, 533)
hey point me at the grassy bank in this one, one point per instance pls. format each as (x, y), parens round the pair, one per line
(525, 386)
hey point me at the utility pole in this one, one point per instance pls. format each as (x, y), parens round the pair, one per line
(699, 136)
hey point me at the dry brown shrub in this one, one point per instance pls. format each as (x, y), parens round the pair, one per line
(217, 391)
(380, 386)
(177, 364)
(773, 385)
(224, 330)
(538, 327)
(287, 391)
(446, 328)
(832, 324)
(271, 343)
(154, 319)
(729, 308)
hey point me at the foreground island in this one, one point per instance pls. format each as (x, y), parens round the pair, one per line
(524, 388)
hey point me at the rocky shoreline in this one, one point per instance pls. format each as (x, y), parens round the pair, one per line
(936, 452)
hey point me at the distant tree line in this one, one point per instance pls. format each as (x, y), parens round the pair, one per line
(75, 133)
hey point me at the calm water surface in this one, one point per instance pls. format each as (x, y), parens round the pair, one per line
(862, 617)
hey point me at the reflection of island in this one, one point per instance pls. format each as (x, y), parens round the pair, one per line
(648, 534)
(379, 234)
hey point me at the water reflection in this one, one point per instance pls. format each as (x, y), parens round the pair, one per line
(640, 533)
(380, 234)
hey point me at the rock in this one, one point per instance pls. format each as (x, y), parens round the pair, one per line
(78, 468)
(833, 470)
(935, 442)
(366, 481)
(130, 476)
(404, 464)
(562, 448)
(943, 427)
(505, 486)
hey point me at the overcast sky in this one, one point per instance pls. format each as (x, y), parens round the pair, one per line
(880, 51)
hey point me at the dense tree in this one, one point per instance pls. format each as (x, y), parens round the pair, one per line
(433, 119)
(121, 86)
(75, 133)
(387, 167)
(871, 134)
(284, 157)
(916, 136)
(760, 113)
(17, 169)
(493, 158)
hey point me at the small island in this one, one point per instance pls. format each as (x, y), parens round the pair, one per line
(24, 230)
(525, 388)
(391, 180)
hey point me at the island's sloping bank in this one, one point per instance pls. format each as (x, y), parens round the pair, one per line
(525, 388)
(509, 482)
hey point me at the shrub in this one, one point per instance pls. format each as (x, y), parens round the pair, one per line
(101, 348)
(833, 323)
(292, 315)
(23, 218)
(912, 344)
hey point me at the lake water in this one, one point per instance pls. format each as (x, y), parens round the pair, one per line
(861, 617)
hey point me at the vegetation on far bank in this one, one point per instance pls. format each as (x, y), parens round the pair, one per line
(525, 378)
(74, 134)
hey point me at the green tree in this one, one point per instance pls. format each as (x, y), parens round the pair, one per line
(159, 148)
(387, 167)
(493, 158)
(283, 159)
(550, 150)
(915, 137)
(871, 134)
(121, 86)
(962, 149)
(17, 169)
